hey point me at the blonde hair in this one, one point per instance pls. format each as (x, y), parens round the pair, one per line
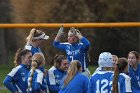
(75, 66)
(37, 60)
(33, 33)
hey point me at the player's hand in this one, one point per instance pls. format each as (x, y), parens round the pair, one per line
(60, 31)
(78, 34)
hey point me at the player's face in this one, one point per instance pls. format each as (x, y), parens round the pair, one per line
(64, 65)
(27, 59)
(72, 39)
(132, 60)
(115, 59)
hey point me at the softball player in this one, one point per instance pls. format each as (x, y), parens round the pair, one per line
(76, 48)
(99, 82)
(36, 80)
(120, 81)
(35, 38)
(16, 80)
(56, 73)
(74, 82)
(134, 71)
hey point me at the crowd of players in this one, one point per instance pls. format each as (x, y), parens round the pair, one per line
(70, 73)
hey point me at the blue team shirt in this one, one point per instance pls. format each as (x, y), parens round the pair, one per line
(78, 51)
(79, 84)
(135, 78)
(39, 82)
(33, 49)
(54, 78)
(99, 82)
(16, 80)
(124, 83)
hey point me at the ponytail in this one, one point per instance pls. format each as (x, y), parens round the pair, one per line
(31, 36)
(34, 66)
(38, 58)
(75, 66)
(119, 68)
(115, 79)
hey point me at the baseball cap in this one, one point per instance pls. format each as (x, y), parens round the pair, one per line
(105, 60)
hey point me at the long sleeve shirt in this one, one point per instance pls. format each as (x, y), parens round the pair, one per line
(15, 80)
(77, 51)
(54, 78)
(39, 82)
(99, 82)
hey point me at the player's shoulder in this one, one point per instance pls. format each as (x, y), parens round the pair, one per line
(28, 47)
(125, 76)
(52, 69)
(102, 73)
(39, 72)
(15, 70)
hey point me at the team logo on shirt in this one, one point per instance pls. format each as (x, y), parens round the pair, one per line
(23, 76)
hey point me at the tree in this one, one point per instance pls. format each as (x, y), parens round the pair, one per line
(4, 17)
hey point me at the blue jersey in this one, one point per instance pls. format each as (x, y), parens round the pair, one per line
(54, 78)
(99, 82)
(124, 83)
(79, 84)
(135, 78)
(33, 49)
(39, 82)
(78, 51)
(16, 80)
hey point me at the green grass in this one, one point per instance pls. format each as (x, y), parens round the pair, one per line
(4, 70)
(4, 91)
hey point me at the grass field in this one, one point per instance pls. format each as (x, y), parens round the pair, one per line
(4, 70)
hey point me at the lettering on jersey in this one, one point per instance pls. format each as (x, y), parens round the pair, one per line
(75, 52)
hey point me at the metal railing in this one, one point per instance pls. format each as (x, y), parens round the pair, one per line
(79, 25)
